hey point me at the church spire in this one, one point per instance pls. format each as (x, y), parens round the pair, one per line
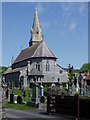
(36, 35)
(36, 21)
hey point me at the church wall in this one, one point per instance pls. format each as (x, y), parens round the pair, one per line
(49, 76)
(12, 77)
(53, 75)
(56, 72)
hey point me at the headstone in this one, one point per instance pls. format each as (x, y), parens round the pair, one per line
(41, 90)
(35, 98)
(77, 84)
(86, 91)
(66, 86)
(19, 99)
(73, 89)
(8, 95)
(11, 98)
(42, 99)
(24, 93)
(82, 87)
(45, 93)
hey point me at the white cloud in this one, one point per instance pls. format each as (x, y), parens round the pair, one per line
(73, 25)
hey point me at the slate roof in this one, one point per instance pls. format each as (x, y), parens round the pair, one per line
(10, 70)
(35, 72)
(39, 49)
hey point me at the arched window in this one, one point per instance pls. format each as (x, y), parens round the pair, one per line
(47, 66)
(38, 66)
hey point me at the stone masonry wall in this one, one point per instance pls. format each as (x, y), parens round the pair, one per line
(2, 102)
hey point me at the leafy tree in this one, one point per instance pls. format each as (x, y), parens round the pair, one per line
(85, 67)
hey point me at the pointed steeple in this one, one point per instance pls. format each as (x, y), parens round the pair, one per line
(36, 35)
(36, 21)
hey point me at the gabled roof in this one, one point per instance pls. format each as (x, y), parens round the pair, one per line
(43, 51)
(39, 49)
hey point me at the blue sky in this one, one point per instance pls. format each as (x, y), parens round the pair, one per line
(64, 27)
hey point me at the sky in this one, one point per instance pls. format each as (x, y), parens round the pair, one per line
(64, 27)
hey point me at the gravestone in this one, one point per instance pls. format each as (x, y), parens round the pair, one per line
(24, 93)
(45, 94)
(19, 99)
(77, 84)
(35, 98)
(86, 91)
(73, 89)
(66, 86)
(11, 98)
(42, 99)
(41, 90)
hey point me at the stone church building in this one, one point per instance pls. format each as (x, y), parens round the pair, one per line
(35, 63)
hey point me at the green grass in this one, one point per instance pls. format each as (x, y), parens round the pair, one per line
(21, 92)
(84, 97)
(19, 106)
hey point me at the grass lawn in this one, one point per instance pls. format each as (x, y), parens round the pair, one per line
(21, 93)
(84, 97)
(19, 106)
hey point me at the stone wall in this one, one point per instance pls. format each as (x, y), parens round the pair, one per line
(12, 77)
(2, 102)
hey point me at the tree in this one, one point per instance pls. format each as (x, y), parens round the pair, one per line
(85, 67)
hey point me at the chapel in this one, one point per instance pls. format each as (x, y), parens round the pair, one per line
(37, 63)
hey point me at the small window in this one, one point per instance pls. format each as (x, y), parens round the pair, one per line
(38, 66)
(47, 66)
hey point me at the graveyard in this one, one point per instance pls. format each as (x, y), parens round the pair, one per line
(71, 98)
